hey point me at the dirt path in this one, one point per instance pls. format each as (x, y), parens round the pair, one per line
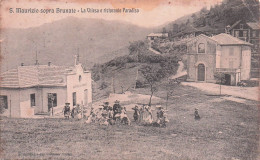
(151, 49)
(250, 93)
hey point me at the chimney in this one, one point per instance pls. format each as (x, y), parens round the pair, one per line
(22, 64)
(49, 63)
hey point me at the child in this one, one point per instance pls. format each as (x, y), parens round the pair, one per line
(196, 114)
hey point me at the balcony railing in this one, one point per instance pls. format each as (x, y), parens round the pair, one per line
(227, 70)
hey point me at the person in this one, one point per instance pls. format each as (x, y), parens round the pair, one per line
(161, 116)
(106, 106)
(72, 112)
(149, 118)
(66, 110)
(136, 113)
(99, 114)
(196, 114)
(77, 112)
(141, 116)
(110, 116)
(124, 118)
(117, 109)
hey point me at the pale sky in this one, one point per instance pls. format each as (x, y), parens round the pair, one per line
(151, 12)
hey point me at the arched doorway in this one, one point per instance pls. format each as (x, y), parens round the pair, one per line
(201, 72)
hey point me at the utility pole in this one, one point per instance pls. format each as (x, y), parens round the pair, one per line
(136, 77)
(10, 106)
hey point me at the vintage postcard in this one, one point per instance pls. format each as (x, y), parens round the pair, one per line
(129, 79)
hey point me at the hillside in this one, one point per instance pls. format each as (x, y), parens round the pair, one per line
(96, 41)
(214, 20)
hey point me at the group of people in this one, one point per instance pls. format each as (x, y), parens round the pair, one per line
(107, 115)
(144, 115)
(75, 112)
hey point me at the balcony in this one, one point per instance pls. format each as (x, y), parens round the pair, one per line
(226, 70)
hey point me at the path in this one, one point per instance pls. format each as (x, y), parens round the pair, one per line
(151, 49)
(250, 93)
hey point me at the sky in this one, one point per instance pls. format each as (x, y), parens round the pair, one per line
(151, 13)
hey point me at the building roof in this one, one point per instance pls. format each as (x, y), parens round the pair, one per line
(226, 39)
(157, 34)
(253, 25)
(233, 25)
(38, 75)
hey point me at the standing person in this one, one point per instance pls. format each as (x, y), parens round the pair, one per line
(116, 109)
(141, 117)
(66, 110)
(149, 118)
(136, 113)
(72, 112)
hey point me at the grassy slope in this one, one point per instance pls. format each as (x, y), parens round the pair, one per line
(226, 129)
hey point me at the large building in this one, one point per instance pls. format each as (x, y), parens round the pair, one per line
(30, 90)
(222, 53)
(249, 32)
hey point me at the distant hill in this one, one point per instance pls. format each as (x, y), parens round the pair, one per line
(96, 41)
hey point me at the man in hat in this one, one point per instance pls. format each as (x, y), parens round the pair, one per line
(116, 109)
(66, 110)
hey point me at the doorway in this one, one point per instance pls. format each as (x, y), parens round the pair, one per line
(201, 72)
(227, 79)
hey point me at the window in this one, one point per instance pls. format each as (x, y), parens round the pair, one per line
(32, 97)
(80, 78)
(240, 33)
(253, 33)
(236, 33)
(74, 98)
(201, 48)
(52, 100)
(244, 33)
(3, 102)
(231, 51)
(241, 26)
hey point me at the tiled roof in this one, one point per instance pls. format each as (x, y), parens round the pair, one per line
(226, 39)
(253, 25)
(39, 75)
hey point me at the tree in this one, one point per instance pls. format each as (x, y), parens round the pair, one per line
(220, 79)
(137, 47)
(152, 75)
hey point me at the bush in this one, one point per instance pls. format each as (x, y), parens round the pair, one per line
(103, 85)
(139, 84)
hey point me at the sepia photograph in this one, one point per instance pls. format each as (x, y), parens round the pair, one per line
(129, 79)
